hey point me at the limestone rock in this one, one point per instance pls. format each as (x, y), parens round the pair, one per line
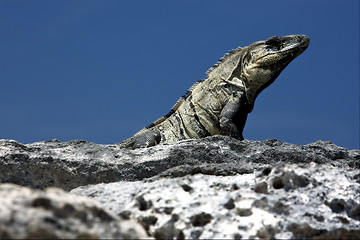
(76, 163)
(53, 214)
(308, 201)
(216, 187)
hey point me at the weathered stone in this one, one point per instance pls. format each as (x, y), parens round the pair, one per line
(216, 187)
(261, 187)
(215, 209)
(55, 214)
(76, 163)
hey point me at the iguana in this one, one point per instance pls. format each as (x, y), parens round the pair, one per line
(220, 103)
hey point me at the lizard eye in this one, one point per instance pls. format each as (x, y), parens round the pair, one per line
(274, 42)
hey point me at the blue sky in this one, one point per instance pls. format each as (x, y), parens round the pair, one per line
(102, 70)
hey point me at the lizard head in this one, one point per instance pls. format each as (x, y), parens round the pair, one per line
(263, 61)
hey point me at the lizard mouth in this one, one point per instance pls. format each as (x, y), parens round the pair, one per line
(287, 42)
(289, 47)
(279, 50)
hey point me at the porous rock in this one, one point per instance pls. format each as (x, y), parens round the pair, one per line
(54, 214)
(77, 163)
(308, 201)
(216, 187)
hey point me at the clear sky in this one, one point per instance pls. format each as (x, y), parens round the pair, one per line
(102, 70)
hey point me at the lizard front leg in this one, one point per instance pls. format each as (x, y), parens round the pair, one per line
(147, 139)
(229, 116)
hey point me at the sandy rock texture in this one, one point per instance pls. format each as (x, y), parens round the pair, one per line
(283, 201)
(76, 163)
(216, 187)
(54, 214)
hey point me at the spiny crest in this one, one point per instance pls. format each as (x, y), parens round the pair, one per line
(175, 107)
(188, 93)
(222, 59)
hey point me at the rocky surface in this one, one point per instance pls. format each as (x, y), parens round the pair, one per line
(77, 163)
(215, 187)
(53, 213)
(283, 201)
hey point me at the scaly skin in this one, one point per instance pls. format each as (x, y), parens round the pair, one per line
(220, 103)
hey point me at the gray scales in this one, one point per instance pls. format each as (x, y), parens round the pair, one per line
(220, 103)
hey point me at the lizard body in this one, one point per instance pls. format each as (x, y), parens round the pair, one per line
(220, 103)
